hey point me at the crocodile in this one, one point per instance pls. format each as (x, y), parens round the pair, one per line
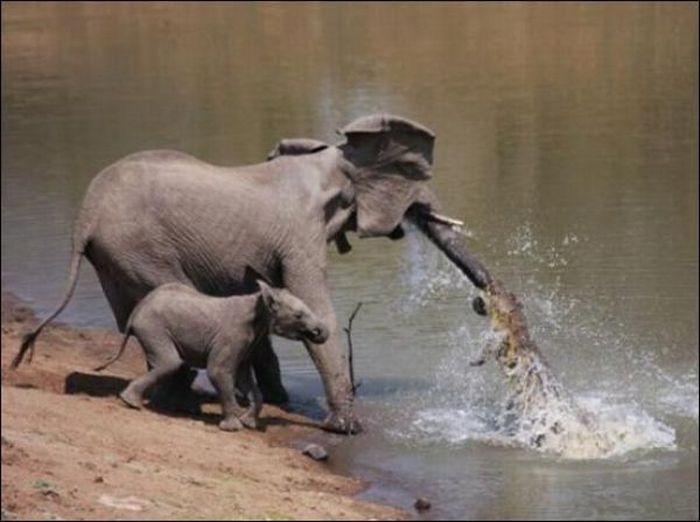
(538, 410)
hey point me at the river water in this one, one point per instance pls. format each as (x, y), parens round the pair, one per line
(567, 138)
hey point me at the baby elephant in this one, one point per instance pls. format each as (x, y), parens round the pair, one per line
(177, 325)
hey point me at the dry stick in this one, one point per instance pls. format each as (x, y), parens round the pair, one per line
(348, 331)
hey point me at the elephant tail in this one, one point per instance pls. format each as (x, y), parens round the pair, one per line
(113, 359)
(128, 331)
(29, 338)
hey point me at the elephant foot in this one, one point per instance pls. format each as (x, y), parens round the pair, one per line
(345, 424)
(131, 399)
(230, 424)
(250, 422)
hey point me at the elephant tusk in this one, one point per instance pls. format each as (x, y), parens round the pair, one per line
(445, 220)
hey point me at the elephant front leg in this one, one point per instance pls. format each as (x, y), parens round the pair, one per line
(247, 384)
(224, 380)
(331, 363)
(329, 357)
(267, 373)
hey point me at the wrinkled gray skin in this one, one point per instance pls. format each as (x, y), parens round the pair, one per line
(177, 325)
(162, 216)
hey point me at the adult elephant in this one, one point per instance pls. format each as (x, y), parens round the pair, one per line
(161, 216)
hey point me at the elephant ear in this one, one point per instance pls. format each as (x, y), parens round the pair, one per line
(296, 147)
(268, 295)
(392, 158)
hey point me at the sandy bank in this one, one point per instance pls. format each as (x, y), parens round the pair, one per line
(71, 450)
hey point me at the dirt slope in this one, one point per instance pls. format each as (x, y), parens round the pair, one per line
(71, 450)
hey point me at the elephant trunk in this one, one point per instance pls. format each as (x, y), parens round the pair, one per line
(444, 235)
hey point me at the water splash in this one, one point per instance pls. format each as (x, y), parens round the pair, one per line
(619, 430)
(538, 413)
(601, 420)
(523, 243)
(428, 275)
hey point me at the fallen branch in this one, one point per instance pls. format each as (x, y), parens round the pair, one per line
(348, 332)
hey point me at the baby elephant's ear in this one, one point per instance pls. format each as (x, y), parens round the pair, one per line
(268, 295)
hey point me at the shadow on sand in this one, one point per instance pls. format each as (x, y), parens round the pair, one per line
(170, 399)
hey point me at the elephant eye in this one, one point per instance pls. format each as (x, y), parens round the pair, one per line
(298, 315)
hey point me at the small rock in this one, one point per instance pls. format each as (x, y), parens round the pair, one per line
(316, 452)
(99, 479)
(128, 503)
(51, 493)
(421, 504)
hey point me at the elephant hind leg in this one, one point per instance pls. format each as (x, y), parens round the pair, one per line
(267, 373)
(115, 286)
(164, 361)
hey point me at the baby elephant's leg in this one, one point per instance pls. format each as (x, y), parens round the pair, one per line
(224, 380)
(163, 360)
(247, 383)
